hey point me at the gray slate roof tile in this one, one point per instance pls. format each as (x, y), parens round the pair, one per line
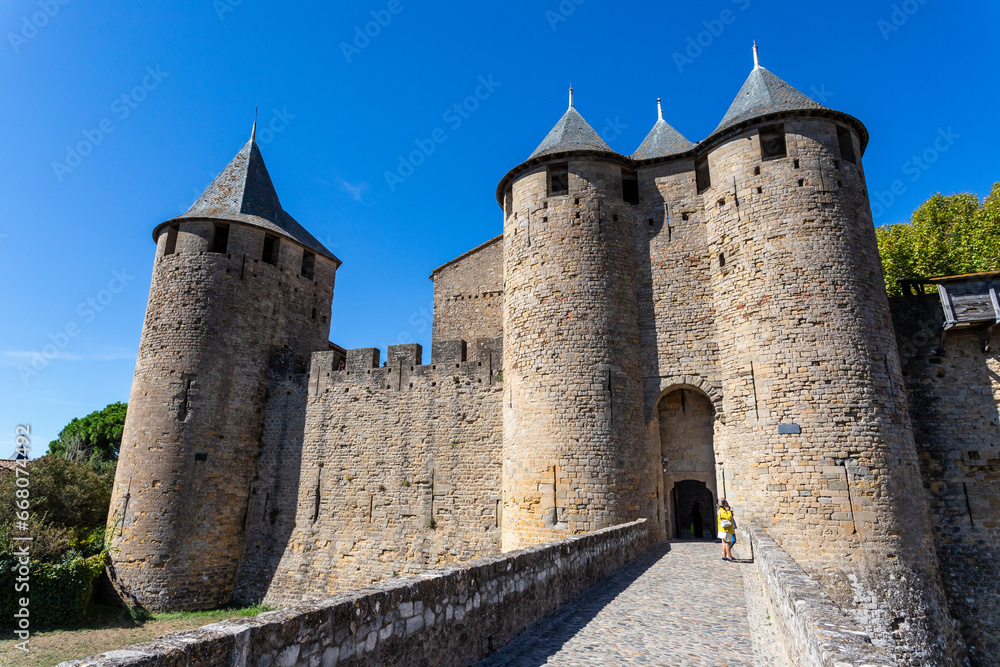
(243, 192)
(571, 133)
(764, 93)
(662, 140)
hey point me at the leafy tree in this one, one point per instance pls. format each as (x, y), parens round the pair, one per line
(947, 235)
(95, 439)
(69, 504)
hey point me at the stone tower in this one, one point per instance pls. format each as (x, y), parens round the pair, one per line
(575, 457)
(817, 441)
(236, 282)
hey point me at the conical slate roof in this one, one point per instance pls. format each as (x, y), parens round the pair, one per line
(764, 93)
(243, 192)
(662, 140)
(571, 133)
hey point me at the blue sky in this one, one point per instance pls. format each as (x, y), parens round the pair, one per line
(115, 115)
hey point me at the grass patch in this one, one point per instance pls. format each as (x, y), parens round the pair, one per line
(108, 628)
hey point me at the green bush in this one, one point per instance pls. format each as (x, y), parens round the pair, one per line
(68, 508)
(58, 593)
(66, 498)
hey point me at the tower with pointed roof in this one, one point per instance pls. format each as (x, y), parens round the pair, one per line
(737, 277)
(817, 443)
(574, 453)
(236, 282)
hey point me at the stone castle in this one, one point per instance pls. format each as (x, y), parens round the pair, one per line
(652, 331)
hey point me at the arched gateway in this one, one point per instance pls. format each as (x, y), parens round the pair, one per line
(687, 419)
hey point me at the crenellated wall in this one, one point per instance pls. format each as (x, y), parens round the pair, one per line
(399, 472)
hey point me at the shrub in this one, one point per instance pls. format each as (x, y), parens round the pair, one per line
(58, 593)
(65, 496)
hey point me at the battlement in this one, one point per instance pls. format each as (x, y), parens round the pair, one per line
(403, 369)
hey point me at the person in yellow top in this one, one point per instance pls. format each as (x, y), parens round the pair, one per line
(727, 529)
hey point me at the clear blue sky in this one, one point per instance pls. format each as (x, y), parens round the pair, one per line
(192, 72)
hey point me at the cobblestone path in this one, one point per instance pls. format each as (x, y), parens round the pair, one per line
(680, 604)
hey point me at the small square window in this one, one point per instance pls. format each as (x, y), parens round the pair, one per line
(558, 179)
(308, 264)
(220, 238)
(846, 141)
(702, 175)
(772, 142)
(171, 244)
(630, 187)
(270, 253)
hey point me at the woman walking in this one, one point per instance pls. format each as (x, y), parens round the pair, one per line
(727, 529)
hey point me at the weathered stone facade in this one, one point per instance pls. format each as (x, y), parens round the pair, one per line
(693, 321)
(953, 388)
(194, 427)
(400, 472)
(468, 295)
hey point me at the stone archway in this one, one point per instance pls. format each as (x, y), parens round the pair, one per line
(687, 421)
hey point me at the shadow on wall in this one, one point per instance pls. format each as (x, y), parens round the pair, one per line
(271, 511)
(953, 393)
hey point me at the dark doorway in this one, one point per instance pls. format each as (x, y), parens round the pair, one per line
(692, 494)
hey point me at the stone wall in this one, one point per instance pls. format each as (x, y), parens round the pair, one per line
(468, 295)
(193, 433)
(275, 489)
(448, 618)
(812, 631)
(399, 472)
(954, 394)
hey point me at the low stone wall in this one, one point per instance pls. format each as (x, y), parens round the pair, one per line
(811, 629)
(447, 617)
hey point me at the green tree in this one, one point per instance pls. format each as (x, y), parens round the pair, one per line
(69, 504)
(94, 439)
(947, 235)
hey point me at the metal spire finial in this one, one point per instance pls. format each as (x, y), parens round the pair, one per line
(756, 57)
(571, 96)
(253, 132)
(659, 109)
